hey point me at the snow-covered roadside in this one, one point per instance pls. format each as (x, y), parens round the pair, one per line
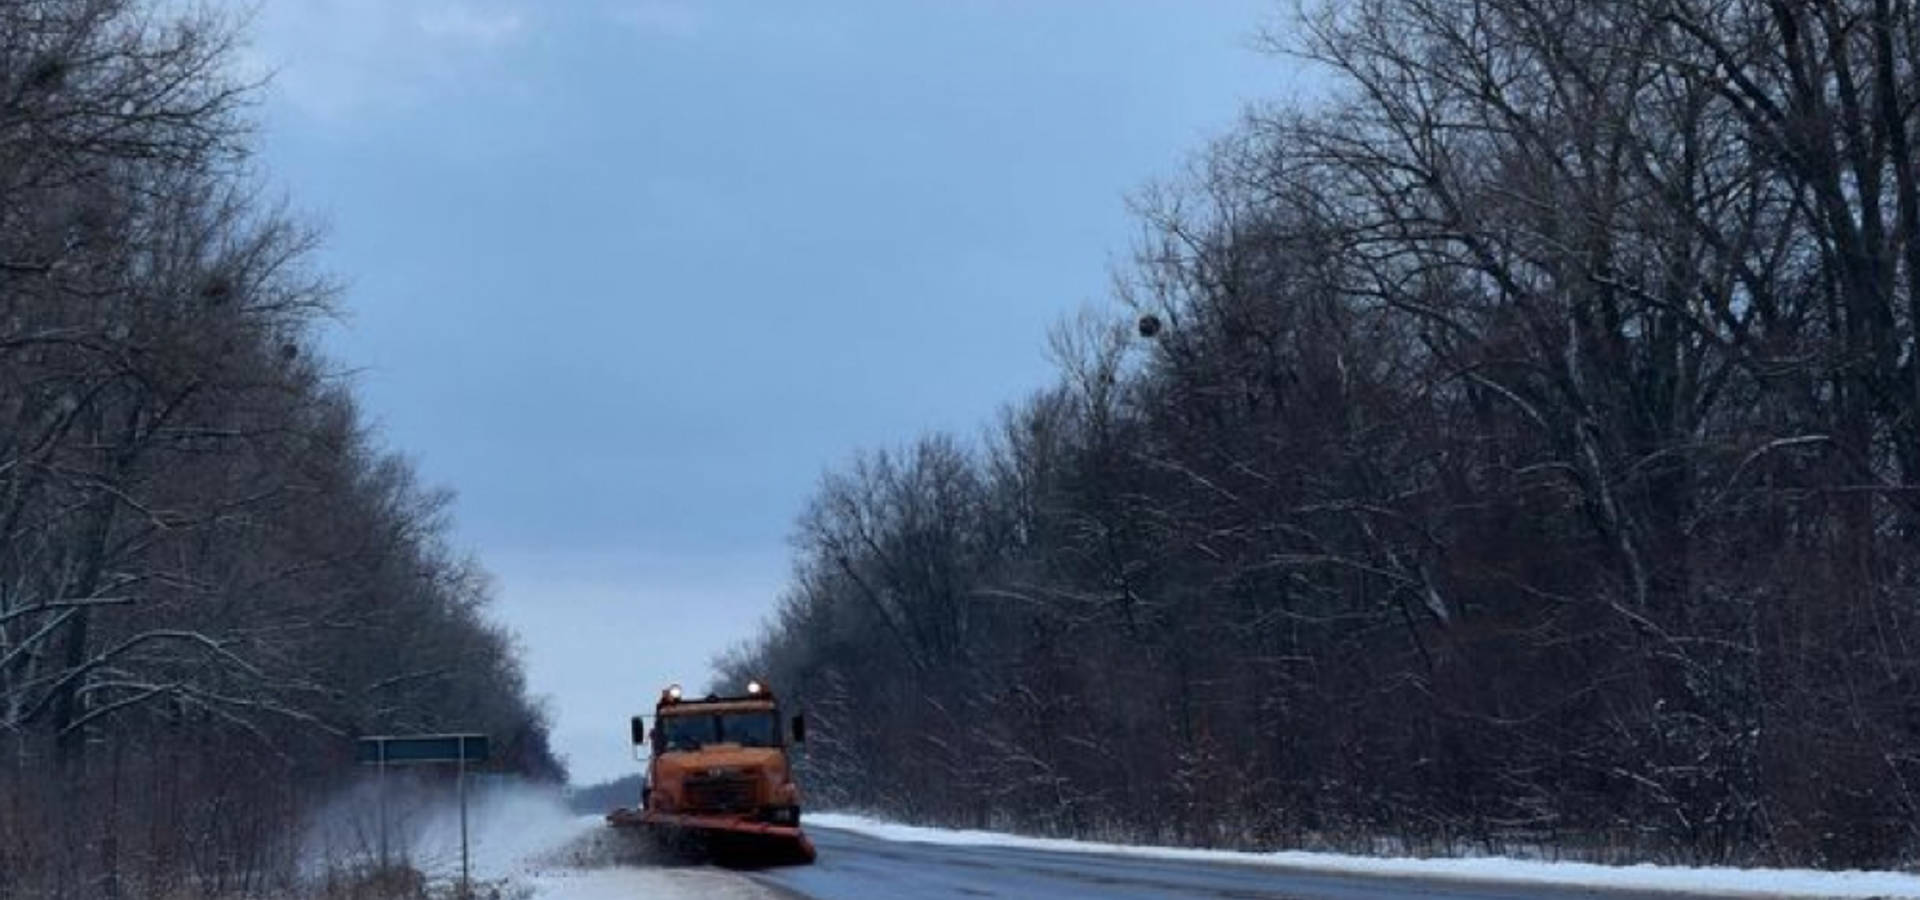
(523, 841)
(1721, 881)
(508, 823)
(599, 865)
(627, 883)
(508, 830)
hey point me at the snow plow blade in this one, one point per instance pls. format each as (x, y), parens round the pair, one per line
(728, 840)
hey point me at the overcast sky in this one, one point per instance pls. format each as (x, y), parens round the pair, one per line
(629, 275)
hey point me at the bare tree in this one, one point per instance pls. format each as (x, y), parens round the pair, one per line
(1520, 451)
(208, 580)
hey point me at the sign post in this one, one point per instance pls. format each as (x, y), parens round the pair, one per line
(421, 749)
(380, 789)
(466, 881)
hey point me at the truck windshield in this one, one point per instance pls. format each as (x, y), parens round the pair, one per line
(691, 732)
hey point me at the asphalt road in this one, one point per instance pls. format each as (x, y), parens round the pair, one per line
(856, 867)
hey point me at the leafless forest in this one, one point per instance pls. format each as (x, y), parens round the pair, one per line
(1520, 446)
(211, 576)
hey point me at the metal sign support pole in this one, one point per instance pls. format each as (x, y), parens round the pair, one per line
(380, 787)
(466, 883)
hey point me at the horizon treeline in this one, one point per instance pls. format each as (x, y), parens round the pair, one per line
(1519, 447)
(212, 576)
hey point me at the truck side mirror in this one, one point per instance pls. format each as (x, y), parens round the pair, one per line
(799, 729)
(639, 730)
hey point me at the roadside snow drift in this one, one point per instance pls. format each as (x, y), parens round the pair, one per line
(1720, 881)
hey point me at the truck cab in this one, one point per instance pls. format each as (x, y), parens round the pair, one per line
(722, 756)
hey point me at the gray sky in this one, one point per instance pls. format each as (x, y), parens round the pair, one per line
(630, 275)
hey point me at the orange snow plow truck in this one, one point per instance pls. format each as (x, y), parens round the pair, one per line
(719, 781)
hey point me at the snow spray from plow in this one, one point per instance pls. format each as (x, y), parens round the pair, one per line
(424, 749)
(513, 826)
(719, 780)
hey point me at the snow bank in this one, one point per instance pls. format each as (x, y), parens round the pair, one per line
(1720, 881)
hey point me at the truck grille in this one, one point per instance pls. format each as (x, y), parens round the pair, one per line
(721, 794)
